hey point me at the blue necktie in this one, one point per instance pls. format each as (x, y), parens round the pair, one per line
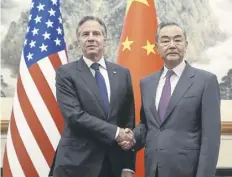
(165, 96)
(102, 86)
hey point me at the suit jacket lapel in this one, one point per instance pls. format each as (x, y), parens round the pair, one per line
(88, 77)
(184, 83)
(112, 71)
(153, 87)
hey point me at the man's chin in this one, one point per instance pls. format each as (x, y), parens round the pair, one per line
(91, 54)
(173, 58)
(173, 61)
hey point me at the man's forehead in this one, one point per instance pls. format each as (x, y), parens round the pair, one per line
(171, 30)
(91, 27)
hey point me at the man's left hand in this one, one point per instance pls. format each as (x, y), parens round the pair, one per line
(126, 174)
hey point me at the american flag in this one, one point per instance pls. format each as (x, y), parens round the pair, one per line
(36, 122)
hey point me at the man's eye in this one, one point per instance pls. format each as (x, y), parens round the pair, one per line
(84, 34)
(96, 34)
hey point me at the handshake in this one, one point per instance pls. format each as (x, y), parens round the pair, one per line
(126, 138)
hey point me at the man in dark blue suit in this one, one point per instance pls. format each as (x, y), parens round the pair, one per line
(96, 99)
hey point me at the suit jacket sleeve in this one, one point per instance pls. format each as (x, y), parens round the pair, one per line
(129, 122)
(75, 116)
(211, 129)
(141, 129)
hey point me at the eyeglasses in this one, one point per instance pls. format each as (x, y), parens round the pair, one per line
(168, 42)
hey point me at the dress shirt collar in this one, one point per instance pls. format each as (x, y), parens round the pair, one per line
(178, 70)
(90, 62)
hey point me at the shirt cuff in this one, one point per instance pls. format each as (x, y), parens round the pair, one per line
(126, 169)
(117, 132)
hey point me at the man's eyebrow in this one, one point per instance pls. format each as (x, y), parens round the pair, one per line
(165, 36)
(177, 36)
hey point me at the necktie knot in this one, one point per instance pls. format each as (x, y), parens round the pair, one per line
(95, 66)
(169, 74)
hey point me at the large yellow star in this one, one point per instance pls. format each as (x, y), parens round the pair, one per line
(126, 44)
(129, 2)
(149, 47)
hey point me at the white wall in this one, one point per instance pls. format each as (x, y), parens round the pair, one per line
(3, 142)
(225, 154)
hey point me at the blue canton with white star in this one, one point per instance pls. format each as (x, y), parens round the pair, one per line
(45, 34)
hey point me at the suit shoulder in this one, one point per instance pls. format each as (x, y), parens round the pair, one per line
(203, 73)
(67, 67)
(115, 65)
(147, 78)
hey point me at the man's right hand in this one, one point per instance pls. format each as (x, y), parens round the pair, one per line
(126, 138)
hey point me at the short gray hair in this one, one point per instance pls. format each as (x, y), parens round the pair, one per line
(164, 24)
(89, 18)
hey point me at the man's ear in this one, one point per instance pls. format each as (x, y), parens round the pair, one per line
(156, 45)
(78, 44)
(105, 41)
(77, 36)
(186, 46)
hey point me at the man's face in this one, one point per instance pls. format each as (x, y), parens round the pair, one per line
(172, 45)
(91, 39)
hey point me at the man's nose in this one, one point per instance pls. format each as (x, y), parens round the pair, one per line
(90, 37)
(172, 44)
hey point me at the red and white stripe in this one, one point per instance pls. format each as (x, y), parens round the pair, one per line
(36, 122)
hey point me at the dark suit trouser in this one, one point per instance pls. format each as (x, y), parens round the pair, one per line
(72, 171)
(156, 173)
(75, 171)
(106, 170)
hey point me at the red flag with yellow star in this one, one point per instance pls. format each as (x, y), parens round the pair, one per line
(137, 52)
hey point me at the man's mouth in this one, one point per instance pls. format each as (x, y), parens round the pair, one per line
(91, 46)
(173, 53)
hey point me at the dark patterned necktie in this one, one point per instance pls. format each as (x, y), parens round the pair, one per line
(165, 96)
(101, 85)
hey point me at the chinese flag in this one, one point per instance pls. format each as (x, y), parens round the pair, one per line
(137, 52)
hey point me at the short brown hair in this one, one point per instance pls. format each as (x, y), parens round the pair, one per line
(88, 18)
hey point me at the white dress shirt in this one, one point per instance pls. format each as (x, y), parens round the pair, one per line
(178, 70)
